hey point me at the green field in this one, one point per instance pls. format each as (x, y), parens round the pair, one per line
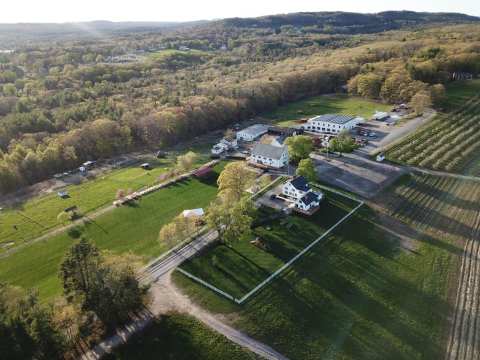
(459, 92)
(238, 268)
(129, 228)
(179, 337)
(326, 104)
(378, 289)
(38, 215)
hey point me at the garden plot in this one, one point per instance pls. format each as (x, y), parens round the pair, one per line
(238, 271)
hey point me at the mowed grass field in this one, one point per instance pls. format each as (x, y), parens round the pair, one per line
(378, 289)
(132, 228)
(180, 337)
(458, 92)
(326, 104)
(238, 268)
(38, 215)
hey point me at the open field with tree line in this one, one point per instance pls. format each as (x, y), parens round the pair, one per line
(132, 228)
(30, 218)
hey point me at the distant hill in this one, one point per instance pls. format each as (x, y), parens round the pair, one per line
(344, 22)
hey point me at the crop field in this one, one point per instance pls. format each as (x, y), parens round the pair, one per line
(459, 92)
(38, 215)
(450, 142)
(325, 104)
(238, 268)
(449, 208)
(374, 290)
(132, 228)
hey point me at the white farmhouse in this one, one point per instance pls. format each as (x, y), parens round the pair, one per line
(332, 123)
(269, 155)
(252, 132)
(299, 191)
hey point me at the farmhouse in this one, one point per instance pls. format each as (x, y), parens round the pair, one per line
(252, 132)
(269, 155)
(332, 123)
(299, 191)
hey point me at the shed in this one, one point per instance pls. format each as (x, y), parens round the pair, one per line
(193, 213)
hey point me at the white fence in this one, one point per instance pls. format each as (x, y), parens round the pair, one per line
(287, 264)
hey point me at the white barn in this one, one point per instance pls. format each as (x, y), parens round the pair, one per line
(252, 132)
(332, 123)
(269, 155)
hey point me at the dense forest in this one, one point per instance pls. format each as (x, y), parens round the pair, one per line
(66, 101)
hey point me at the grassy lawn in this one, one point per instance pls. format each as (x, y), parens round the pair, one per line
(361, 295)
(179, 337)
(129, 228)
(326, 104)
(39, 214)
(238, 268)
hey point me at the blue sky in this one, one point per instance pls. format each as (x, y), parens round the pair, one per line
(183, 10)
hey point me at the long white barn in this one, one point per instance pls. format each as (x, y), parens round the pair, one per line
(332, 123)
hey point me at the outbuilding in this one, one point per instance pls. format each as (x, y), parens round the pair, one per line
(252, 133)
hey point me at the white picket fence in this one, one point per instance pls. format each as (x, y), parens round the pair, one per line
(287, 264)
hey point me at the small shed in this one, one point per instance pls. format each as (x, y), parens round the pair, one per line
(193, 213)
(202, 172)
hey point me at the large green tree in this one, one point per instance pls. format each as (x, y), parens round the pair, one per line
(299, 147)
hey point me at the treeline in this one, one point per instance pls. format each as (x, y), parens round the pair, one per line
(100, 293)
(427, 70)
(27, 162)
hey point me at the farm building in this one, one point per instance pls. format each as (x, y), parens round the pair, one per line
(224, 145)
(193, 213)
(269, 155)
(300, 192)
(252, 132)
(380, 116)
(332, 123)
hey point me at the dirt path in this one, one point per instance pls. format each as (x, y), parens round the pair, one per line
(167, 298)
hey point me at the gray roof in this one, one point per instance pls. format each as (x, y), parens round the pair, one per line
(310, 197)
(334, 118)
(255, 130)
(269, 151)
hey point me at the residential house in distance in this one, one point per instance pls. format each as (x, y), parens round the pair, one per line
(332, 123)
(252, 133)
(300, 193)
(270, 156)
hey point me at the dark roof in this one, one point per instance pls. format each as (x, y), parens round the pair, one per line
(309, 197)
(285, 131)
(268, 151)
(203, 171)
(300, 183)
(334, 118)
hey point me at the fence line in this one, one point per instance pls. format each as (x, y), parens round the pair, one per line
(296, 257)
(208, 285)
(337, 192)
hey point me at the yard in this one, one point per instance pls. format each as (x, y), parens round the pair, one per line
(38, 215)
(132, 228)
(238, 268)
(326, 104)
(378, 289)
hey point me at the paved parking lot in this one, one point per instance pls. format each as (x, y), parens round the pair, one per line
(356, 173)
